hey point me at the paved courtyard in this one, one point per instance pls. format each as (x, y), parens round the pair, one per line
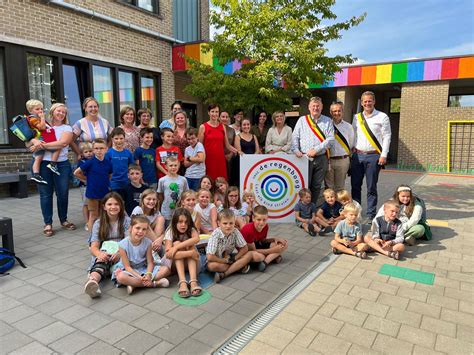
(349, 308)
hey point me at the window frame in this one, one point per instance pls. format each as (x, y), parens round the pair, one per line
(390, 105)
(134, 5)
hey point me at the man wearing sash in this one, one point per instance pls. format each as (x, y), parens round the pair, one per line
(313, 136)
(372, 142)
(341, 150)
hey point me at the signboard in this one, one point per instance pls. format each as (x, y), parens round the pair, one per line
(275, 180)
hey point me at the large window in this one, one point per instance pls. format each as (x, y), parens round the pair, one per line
(103, 92)
(41, 79)
(3, 106)
(148, 89)
(147, 5)
(461, 100)
(186, 20)
(126, 89)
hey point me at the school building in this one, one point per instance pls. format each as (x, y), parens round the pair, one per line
(430, 103)
(119, 51)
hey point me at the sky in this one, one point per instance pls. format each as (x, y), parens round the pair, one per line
(396, 30)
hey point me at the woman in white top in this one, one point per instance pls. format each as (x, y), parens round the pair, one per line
(279, 135)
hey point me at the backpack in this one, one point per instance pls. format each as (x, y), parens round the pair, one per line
(7, 260)
(21, 128)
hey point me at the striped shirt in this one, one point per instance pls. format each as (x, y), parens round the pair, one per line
(304, 139)
(88, 131)
(219, 244)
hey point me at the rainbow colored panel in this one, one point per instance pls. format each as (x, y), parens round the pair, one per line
(354, 76)
(126, 95)
(104, 97)
(415, 71)
(399, 72)
(340, 79)
(178, 61)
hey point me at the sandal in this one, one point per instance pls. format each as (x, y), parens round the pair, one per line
(196, 291)
(361, 254)
(394, 254)
(68, 225)
(183, 293)
(278, 259)
(48, 230)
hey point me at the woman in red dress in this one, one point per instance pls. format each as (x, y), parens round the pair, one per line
(213, 136)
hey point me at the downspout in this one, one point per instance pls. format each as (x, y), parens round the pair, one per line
(114, 21)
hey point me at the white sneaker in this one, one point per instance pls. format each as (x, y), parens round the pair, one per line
(163, 282)
(92, 289)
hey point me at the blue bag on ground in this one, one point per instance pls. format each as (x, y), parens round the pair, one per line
(21, 128)
(7, 260)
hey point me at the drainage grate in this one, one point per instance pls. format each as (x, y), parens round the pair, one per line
(254, 326)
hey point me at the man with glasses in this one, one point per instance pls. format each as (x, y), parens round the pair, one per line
(313, 136)
(339, 160)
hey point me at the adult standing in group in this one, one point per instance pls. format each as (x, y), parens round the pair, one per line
(260, 130)
(372, 142)
(144, 117)
(245, 141)
(132, 132)
(238, 116)
(175, 107)
(179, 136)
(56, 183)
(213, 136)
(279, 135)
(313, 136)
(341, 150)
(225, 120)
(92, 126)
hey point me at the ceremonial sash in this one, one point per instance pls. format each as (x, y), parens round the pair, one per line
(368, 133)
(317, 131)
(342, 140)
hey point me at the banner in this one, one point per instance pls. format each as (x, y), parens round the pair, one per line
(275, 180)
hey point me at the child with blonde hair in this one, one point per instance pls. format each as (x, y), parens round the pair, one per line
(207, 210)
(328, 215)
(87, 153)
(221, 191)
(188, 201)
(248, 204)
(305, 213)
(344, 197)
(348, 234)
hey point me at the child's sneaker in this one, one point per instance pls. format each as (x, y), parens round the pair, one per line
(163, 282)
(54, 168)
(311, 230)
(261, 266)
(92, 288)
(245, 269)
(39, 179)
(411, 240)
(218, 277)
(324, 230)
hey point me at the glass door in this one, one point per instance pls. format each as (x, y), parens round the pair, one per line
(74, 89)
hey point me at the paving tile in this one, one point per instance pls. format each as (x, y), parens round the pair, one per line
(373, 308)
(58, 285)
(301, 309)
(364, 293)
(304, 337)
(33, 323)
(457, 317)
(458, 294)
(221, 291)
(357, 335)
(290, 322)
(52, 332)
(389, 345)
(343, 300)
(312, 298)
(413, 294)
(32, 348)
(191, 346)
(54, 306)
(5, 328)
(424, 308)
(137, 343)
(444, 302)
(151, 322)
(14, 340)
(161, 305)
(241, 284)
(419, 350)
(129, 313)
(328, 344)
(293, 348)
(260, 296)
(330, 279)
(212, 335)
(453, 346)
(393, 301)
(100, 347)
(42, 279)
(246, 307)
(417, 336)
(230, 320)
(382, 325)
(203, 320)
(175, 332)
(349, 315)
(357, 350)
(92, 322)
(464, 332)
(184, 314)
(327, 309)
(72, 314)
(438, 326)
(73, 342)
(72, 291)
(215, 306)
(163, 347)
(39, 298)
(321, 287)
(404, 317)
(23, 291)
(325, 324)
(18, 313)
(113, 332)
(8, 303)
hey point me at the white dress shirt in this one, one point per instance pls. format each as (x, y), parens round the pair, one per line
(348, 132)
(379, 124)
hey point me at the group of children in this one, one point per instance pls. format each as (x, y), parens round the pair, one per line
(401, 220)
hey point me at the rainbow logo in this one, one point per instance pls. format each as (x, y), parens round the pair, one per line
(275, 182)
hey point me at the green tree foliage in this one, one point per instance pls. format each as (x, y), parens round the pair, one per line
(283, 39)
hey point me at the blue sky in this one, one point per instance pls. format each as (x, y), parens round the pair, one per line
(404, 29)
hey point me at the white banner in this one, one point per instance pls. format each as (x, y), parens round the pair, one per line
(275, 180)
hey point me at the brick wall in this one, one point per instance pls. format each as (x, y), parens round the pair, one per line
(424, 117)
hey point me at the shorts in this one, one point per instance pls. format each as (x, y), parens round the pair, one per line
(262, 244)
(93, 204)
(85, 200)
(108, 268)
(39, 153)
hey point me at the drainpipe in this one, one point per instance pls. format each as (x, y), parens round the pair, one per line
(114, 21)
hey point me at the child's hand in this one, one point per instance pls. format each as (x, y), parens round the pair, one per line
(103, 256)
(146, 279)
(114, 258)
(195, 255)
(156, 245)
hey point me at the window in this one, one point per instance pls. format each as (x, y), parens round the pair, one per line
(103, 92)
(3, 106)
(147, 5)
(126, 89)
(41, 79)
(395, 104)
(186, 20)
(148, 90)
(461, 101)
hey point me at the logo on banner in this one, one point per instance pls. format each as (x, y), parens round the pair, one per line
(275, 182)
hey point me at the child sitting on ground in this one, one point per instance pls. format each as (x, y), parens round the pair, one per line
(255, 234)
(387, 232)
(232, 202)
(136, 267)
(132, 191)
(221, 245)
(146, 156)
(248, 204)
(87, 153)
(328, 215)
(207, 210)
(44, 133)
(206, 183)
(348, 234)
(221, 191)
(344, 197)
(305, 213)
(180, 242)
(188, 201)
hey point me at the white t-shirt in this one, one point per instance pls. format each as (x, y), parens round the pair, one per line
(59, 130)
(205, 215)
(195, 171)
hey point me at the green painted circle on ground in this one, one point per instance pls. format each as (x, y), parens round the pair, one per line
(192, 301)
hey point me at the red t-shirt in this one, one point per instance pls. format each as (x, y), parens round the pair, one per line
(162, 153)
(251, 235)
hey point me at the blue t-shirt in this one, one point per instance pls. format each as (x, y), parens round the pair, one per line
(306, 210)
(120, 162)
(147, 160)
(80, 164)
(97, 173)
(347, 231)
(331, 211)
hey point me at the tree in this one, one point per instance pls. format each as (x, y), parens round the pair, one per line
(282, 41)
